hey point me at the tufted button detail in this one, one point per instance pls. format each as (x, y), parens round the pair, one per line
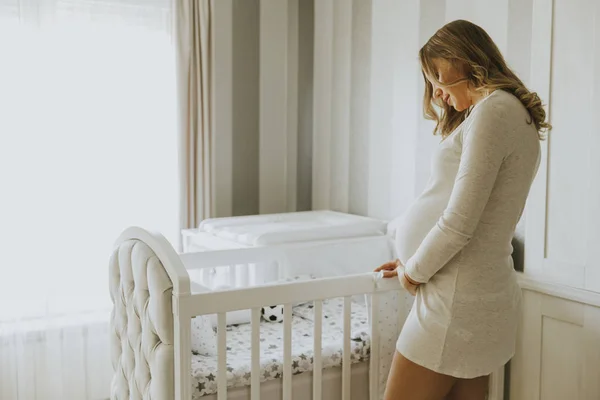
(142, 324)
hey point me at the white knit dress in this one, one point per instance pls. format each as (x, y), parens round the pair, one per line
(456, 240)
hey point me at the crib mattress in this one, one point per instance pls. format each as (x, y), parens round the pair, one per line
(204, 369)
(261, 230)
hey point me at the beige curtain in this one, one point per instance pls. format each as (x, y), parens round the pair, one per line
(193, 25)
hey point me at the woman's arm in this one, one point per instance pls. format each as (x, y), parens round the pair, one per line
(486, 143)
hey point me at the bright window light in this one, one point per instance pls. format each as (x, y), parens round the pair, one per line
(88, 146)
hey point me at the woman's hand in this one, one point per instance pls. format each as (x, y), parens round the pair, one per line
(392, 269)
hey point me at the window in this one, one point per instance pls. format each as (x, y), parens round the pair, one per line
(88, 145)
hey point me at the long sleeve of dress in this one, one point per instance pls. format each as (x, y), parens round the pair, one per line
(485, 144)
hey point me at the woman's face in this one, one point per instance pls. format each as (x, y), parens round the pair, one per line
(457, 94)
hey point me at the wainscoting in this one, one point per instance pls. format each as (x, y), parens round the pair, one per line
(558, 353)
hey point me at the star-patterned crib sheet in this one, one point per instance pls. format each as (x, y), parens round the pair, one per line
(204, 369)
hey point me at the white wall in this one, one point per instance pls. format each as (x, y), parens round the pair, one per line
(372, 147)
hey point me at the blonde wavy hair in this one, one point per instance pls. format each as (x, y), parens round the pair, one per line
(471, 50)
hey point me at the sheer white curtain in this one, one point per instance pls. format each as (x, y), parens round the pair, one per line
(88, 129)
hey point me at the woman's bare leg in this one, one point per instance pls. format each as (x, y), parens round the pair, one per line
(470, 389)
(410, 381)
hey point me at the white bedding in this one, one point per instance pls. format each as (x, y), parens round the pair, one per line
(204, 369)
(269, 229)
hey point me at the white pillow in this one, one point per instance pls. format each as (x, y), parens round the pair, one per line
(233, 318)
(204, 339)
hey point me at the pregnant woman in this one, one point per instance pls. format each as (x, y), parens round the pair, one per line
(454, 242)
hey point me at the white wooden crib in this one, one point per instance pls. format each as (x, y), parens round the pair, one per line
(150, 286)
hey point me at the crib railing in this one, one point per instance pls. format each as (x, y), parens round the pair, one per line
(186, 306)
(235, 272)
(245, 267)
(239, 275)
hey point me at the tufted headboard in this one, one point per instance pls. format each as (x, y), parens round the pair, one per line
(143, 277)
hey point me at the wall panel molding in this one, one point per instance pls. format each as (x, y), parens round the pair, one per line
(564, 292)
(541, 56)
(362, 26)
(592, 274)
(564, 203)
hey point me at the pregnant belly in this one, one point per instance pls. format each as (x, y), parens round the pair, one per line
(415, 225)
